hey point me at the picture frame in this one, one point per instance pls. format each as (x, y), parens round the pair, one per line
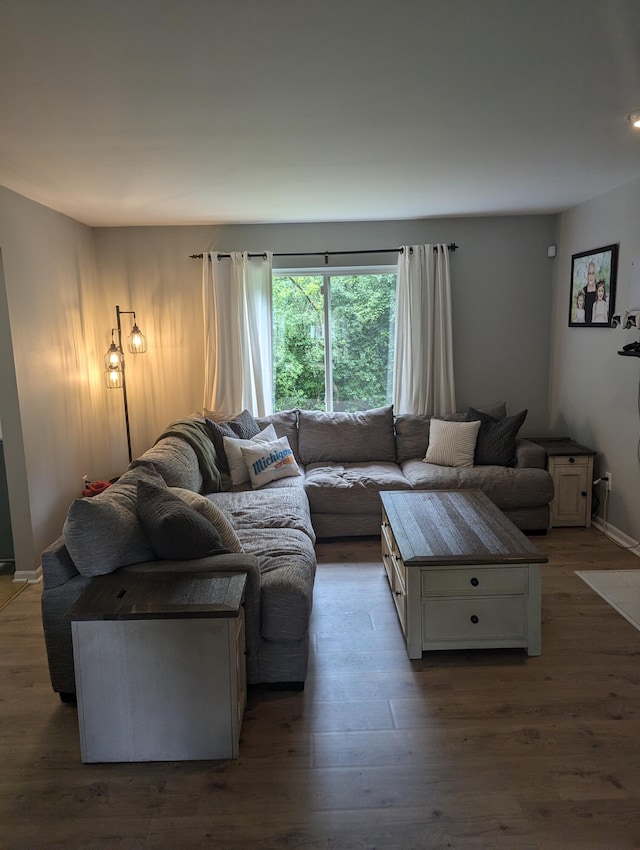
(592, 289)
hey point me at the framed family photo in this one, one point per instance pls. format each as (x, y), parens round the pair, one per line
(593, 287)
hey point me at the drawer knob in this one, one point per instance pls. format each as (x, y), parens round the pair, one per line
(584, 493)
(474, 619)
(475, 582)
(572, 460)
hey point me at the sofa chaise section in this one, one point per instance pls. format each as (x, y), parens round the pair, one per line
(274, 531)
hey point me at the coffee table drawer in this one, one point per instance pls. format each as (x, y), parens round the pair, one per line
(396, 574)
(476, 581)
(472, 620)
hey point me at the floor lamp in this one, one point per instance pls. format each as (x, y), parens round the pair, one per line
(114, 371)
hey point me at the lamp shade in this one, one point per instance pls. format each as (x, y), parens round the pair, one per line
(137, 341)
(113, 379)
(113, 367)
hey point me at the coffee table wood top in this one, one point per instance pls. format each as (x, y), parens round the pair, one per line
(455, 527)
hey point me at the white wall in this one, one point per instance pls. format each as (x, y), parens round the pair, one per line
(501, 302)
(594, 391)
(51, 399)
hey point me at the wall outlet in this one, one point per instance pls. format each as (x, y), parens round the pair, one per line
(606, 480)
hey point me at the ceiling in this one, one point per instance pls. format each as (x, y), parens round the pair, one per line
(161, 112)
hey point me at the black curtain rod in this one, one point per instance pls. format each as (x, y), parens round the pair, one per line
(326, 254)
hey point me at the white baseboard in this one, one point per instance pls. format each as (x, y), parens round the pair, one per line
(617, 536)
(31, 576)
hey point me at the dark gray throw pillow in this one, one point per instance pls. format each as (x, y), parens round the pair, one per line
(242, 426)
(175, 530)
(496, 443)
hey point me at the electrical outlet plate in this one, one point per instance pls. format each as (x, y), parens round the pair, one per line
(607, 480)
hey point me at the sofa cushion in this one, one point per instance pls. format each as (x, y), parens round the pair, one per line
(412, 435)
(242, 425)
(232, 448)
(286, 424)
(267, 508)
(412, 429)
(452, 443)
(351, 488)
(508, 488)
(496, 443)
(176, 461)
(269, 462)
(103, 533)
(287, 570)
(175, 529)
(346, 437)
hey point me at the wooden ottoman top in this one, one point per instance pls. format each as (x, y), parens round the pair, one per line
(455, 527)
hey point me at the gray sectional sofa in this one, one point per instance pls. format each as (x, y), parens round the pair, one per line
(343, 462)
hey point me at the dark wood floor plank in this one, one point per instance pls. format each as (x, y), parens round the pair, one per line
(486, 750)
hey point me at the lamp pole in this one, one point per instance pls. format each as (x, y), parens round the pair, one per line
(115, 375)
(124, 378)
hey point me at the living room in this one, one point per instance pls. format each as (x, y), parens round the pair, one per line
(62, 280)
(63, 272)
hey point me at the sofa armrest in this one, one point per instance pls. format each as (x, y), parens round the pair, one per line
(234, 561)
(57, 565)
(530, 455)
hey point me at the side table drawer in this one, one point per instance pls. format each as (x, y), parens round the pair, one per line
(474, 619)
(570, 460)
(476, 581)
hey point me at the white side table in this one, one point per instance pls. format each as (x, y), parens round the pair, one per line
(160, 666)
(571, 467)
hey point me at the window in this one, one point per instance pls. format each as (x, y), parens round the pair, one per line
(333, 338)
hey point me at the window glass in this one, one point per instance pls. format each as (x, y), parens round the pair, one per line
(347, 365)
(298, 342)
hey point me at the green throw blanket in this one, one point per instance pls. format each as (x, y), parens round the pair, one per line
(195, 433)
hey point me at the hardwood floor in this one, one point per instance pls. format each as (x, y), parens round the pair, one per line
(477, 749)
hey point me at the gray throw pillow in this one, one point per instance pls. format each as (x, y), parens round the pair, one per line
(103, 533)
(496, 443)
(242, 426)
(175, 530)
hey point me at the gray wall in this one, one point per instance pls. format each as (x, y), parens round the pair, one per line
(57, 307)
(501, 302)
(51, 407)
(594, 391)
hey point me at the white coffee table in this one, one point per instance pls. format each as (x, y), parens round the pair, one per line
(462, 575)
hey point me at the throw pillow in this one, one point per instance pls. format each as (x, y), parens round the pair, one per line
(175, 530)
(496, 444)
(269, 461)
(243, 426)
(104, 533)
(214, 514)
(232, 445)
(452, 443)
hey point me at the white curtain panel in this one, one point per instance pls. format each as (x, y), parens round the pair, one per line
(237, 333)
(423, 379)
